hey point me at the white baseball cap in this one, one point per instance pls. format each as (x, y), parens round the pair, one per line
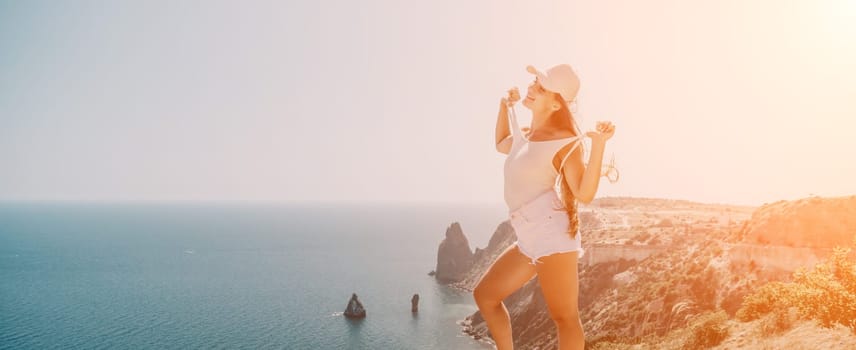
(560, 79)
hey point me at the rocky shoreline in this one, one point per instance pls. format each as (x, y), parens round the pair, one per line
(527, 306)
(707, 256)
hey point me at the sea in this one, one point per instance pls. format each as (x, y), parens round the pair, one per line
(231, 275)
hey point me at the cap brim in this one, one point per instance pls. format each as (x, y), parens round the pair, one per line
(543, 80)
(537, 73)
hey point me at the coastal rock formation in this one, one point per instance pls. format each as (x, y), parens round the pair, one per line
(627, 289)
(650, 264)
(502, 237)
(355, 308)
(454, 257)
(814, 222)
(532, 327)
(414, 303)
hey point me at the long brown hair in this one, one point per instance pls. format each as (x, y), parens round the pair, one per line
(565, 117)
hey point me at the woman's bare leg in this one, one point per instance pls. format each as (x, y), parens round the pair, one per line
(509, 272)
(557, 274)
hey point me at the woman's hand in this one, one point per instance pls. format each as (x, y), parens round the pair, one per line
(605, 130)
(512, 97)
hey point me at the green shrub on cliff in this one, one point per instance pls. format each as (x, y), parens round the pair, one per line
(827, 293)
(707, 330)
(773, 295)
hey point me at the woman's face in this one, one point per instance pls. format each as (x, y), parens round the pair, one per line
(539, 99)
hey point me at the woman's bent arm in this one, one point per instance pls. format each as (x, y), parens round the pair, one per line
(591, 176)
(503, 133)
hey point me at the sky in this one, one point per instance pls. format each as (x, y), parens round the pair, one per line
(741, 102)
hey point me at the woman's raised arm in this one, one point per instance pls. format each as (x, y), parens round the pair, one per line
(503, 132)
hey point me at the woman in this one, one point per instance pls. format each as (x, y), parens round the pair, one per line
(545, 177)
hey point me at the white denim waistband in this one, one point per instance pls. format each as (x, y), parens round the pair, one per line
(543, 204)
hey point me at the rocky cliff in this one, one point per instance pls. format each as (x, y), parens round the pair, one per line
(532, 327)
(776, 257)
(814, 222)
(635, 289)
(598, 253)
(501, 239)
(454, 257)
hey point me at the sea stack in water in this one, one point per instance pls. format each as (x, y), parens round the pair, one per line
(414, 303)
(454, 257)
(355, 308)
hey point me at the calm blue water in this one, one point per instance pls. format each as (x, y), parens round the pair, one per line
(186, 276)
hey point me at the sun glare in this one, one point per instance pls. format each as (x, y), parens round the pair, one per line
(838, 18)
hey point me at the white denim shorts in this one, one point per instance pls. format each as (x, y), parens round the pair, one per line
(542, 227)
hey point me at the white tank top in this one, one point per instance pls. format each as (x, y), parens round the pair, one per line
(528, 169)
